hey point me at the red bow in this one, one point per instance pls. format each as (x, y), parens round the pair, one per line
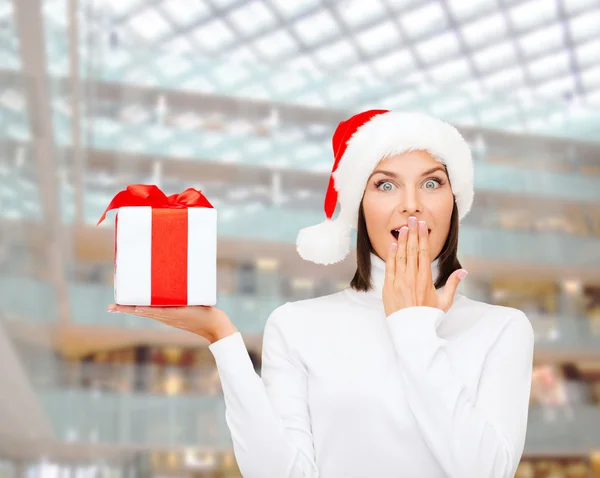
(151, 195)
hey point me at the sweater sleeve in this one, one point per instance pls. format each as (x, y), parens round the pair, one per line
(268, 417)
(478, 435)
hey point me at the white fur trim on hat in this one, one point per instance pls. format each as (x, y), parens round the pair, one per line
(385, 135)
(324, 243)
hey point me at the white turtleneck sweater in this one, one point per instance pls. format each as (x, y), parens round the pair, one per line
(347, 392)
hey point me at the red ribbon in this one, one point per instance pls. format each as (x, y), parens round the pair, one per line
(151, 195)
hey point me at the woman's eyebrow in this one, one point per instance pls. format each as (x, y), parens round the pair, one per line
(394, 175)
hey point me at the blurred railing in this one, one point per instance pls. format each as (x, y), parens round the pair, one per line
(125, 378)
(98, 416)
(563, 428)
(89, 302)
(152, 140)
(141, 419)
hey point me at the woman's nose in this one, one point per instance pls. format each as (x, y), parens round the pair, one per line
(410, 203)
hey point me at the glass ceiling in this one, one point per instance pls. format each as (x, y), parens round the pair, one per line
(524, 66)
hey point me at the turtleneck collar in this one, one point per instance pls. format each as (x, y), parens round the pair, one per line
(378, 275)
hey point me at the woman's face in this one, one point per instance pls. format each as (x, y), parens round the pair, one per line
(402, 186)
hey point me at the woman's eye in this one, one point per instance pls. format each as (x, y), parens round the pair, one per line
(431, 181)
(384, 183)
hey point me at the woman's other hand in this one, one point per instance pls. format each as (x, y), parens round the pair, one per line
(208, 322)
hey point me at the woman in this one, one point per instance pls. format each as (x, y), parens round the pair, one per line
(396, 375)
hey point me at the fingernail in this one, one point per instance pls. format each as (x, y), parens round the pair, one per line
(422, 226)
(394, 245)
(412, 221)
(403, 231)
(462, 274)
(112, 311)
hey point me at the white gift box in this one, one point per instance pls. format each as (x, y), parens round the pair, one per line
(165, 256)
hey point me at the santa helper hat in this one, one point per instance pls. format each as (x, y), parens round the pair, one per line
(359, 143)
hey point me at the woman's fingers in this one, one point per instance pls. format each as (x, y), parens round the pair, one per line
(412, 248)
(390, 263)
(424, 262)
(401, 251)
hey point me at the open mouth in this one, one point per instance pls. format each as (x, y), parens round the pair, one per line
(395, 233)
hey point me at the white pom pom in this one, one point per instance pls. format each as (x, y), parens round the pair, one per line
(324, 243)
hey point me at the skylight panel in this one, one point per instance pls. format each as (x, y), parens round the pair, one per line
(378, 37)
(539, 41)
(534, 12)
(397, 61)
(121, 7)
(449, 105)
(482, 31)
(591, 77)
(415, 77)
(179, 46)
(451, 71)
(405, 98)
(497, 113)
(575, 6)
(306, 64)
(315, 27)
(242, 54)
(223, 3)
(355, 13)
(594, 98)
(184, 12)
(557, 87)
(149, 24)
(465, 10)
(441, 46)
(276, 44)
(505, 79)
(427, 19)
(286, 81)
(588, 53)
(344, 91)
(549, 66)
(339, 52)
(291, 9)
(252, 17)
(584, 26)
(230, 73)
(213, 36)
(495, 56)
(465, 119)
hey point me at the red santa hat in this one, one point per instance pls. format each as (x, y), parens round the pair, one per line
(359, 143)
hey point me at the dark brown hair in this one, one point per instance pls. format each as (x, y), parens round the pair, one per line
(448, 260)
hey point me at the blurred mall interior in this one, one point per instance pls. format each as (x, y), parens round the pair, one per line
(239, 98)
